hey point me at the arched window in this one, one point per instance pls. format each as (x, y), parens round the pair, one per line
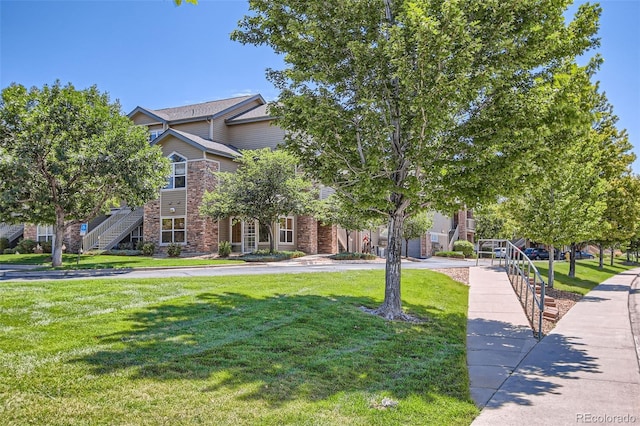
(178, 178)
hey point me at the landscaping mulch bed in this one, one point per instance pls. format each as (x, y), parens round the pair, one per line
(564, 301)
(457, 274)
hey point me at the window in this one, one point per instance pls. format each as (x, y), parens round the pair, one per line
(286, 230)
(154, 134)
(173, 230)
(44, 233)
(178, 178)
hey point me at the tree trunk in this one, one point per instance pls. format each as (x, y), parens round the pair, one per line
(58, 232)
(347, 233)
(271, 239)
(601, 253)
(391, 308)
(612, 253)
(551, 272)
(572, 261)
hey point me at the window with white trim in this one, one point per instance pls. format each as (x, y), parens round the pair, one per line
(286, 230)
(178, 178)
(44, 233)
(154, 134)
(173, 230)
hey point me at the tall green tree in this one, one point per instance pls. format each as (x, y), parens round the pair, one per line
(67, 154)
(264, 188)
(406, 104)
(621, 217)
(564, 205)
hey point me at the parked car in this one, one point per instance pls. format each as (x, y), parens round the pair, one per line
(537, 253)
(500, 252)
(584, 255)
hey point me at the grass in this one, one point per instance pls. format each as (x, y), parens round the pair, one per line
(266, 350)
(87, 261)
(588, 274)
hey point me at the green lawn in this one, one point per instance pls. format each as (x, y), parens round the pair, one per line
(267, 350)
(588, 275)
(87, 261)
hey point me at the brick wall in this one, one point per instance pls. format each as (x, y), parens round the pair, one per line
(307, 234)
(151, 228)
(72, 239)
(202, 232)
(327, 239)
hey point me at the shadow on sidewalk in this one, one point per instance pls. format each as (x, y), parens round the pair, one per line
(536, 367)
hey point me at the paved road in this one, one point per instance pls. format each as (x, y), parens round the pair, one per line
(307, 264)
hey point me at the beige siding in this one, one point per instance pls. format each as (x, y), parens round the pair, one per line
(223, 230)
(441, 223)
(175, 198)
(221, 132)
(140, 118)
(155, 127)
(226, 164)
(172, 144)
(198, 128)
(256, 135)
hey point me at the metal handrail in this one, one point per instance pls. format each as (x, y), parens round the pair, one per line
(119, 230)
(524, 278)
(92, 239)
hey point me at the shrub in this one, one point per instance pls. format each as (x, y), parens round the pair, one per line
(455, 254)
(174, 250)
(353, 256)
(46, 246)
(148, 249)
(224, 249)
(265, 256)
(122, 252)
(8, 251)
(464, 246)
(139, 245)
(26, 246)
(4, 244)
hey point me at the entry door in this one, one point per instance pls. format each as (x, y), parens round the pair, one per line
(249, 237)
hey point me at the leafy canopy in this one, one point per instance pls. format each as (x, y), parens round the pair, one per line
(264, 188)
(67, 154)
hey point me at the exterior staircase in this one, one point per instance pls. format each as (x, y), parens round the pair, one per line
(550, 312)
(113, 230)
(11, 232)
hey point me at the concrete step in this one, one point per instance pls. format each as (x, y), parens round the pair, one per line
(551, 313)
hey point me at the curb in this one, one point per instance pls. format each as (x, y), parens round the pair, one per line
(634, 313)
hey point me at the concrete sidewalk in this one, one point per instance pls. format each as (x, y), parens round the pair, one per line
(498, 332)
(585, 371)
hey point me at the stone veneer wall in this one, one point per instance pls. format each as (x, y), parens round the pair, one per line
(151, 227)
(72, 239)
(425, 245)
(327, 239)
(30, 232)
(202, 232)
(307, 234)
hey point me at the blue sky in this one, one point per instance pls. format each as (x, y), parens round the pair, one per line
(150, 53)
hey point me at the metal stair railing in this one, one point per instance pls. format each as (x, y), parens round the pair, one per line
(10, 232)
(454, 237)
(120, 229)
(91, 240)
(525, 278)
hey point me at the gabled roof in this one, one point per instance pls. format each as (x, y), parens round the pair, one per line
(198, 111)
(259, 113)
(212, 147)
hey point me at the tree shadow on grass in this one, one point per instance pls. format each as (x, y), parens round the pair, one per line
(292, 346)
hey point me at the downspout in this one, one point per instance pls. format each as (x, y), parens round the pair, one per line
(210, 121)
